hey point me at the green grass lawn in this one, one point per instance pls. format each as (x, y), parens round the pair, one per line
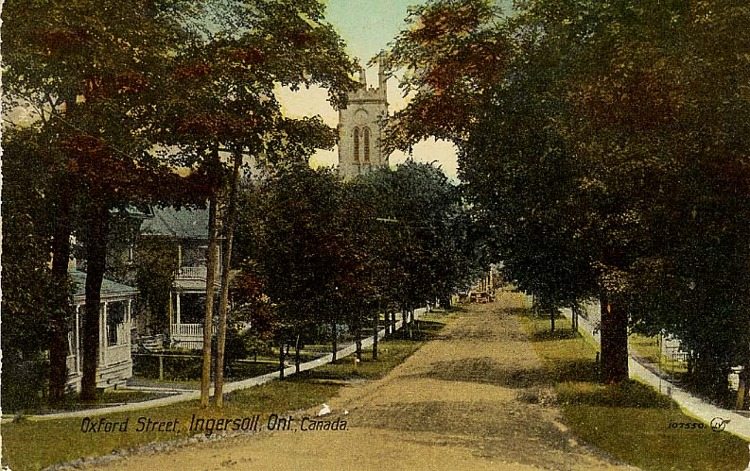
(630, 421)
(105, 399)
(186, 368)
(33, 445)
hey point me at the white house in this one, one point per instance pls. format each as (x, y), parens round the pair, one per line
(115, 364)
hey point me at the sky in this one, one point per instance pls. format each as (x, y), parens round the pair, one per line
(367, 26)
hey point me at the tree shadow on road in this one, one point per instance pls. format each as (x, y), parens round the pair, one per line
(422, 330)
(485, 370)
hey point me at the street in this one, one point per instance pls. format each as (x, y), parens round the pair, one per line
(457, 403)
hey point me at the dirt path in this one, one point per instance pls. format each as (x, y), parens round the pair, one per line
(460, 402)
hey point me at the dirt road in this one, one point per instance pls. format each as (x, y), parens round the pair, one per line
(460, 402)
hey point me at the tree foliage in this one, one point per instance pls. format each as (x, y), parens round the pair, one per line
(31, 297)
(423, 233)
(607, 153)
(451, 51)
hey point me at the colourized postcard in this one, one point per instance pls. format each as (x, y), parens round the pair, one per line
(375, 234)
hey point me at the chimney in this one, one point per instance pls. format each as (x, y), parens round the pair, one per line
(362, 77)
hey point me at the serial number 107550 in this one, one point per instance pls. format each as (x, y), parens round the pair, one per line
(687, 425)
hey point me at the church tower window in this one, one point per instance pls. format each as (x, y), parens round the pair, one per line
(367, 144)
(356, 144)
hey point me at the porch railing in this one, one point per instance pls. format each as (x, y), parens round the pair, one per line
(191, 273)
(188, 335)
(179, 331)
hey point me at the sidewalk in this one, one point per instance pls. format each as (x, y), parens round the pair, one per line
(230, 387)
(692, 405)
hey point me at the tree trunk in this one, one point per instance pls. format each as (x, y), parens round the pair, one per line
(742, 389)
(334, 342)
(211, 259)
(445, 303)
(411, 322)
(358, 342)
(229, 225)
(296, 355)
(614, 340)
(376, 318)
(282, 359)
(96, 260)
(552, 320)
(61, 308)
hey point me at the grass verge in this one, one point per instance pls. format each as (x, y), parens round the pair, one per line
(33, 445)
(108, 398)
(630, 422)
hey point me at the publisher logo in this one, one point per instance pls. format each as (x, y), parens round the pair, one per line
(718, 424)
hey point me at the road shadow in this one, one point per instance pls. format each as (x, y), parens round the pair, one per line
(485, 370)
(516, 432)
(421, 331)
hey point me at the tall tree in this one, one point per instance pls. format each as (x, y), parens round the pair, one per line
(593, 161)
(91, 70)
(36, 310)
(226, 103)
(422, 233)
(299, 250)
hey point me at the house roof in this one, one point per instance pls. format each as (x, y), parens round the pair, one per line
(133, 212)
(110, 289)
(180, 223)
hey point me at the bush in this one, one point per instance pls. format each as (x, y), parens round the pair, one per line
(24, 384)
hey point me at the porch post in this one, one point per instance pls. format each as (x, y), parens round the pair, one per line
(178, 307)
(170, 311)
(77, 347)
(128, 313)
(103, 335)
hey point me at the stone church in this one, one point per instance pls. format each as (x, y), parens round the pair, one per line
(360, 127)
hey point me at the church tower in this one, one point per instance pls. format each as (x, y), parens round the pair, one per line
(359, 127)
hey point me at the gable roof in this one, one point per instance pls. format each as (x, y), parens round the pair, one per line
(110, 289)
(180, 223)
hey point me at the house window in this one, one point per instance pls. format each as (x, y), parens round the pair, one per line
(356, 144)
(72, 336)
(116, 323)
(367, 144)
